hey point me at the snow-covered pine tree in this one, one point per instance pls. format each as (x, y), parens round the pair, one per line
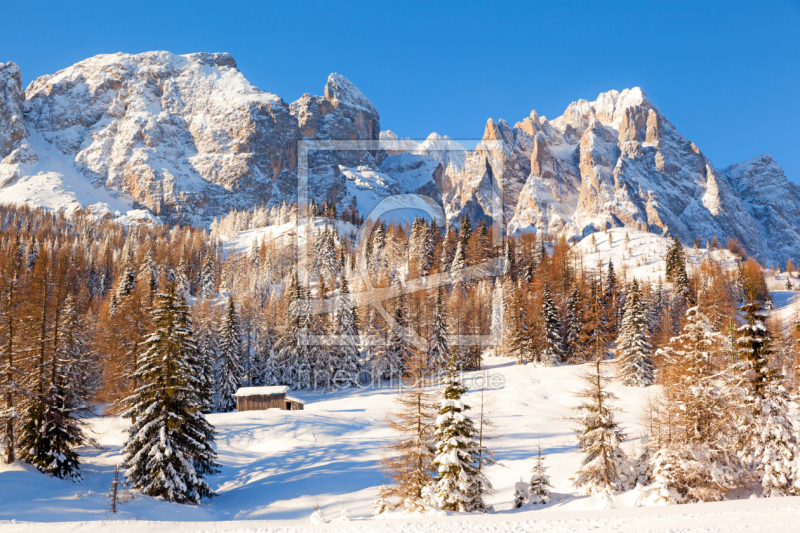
(539, 485)
(572, 327)
(634, 350)
(599, 436)
(521, 494)
(148, 271)
(169, 448)
(68, 382)
(327, 261)
(459, 487)
(127, 279)
(228, 374)
(398, 352)
(426, 249)
(438, 346)
(448, 246)
(378, 242)
(183, 287)
(508, 258)
(655, 309)
(345, 325)
(552, 350)
(208, 280)
(610, 303)
(770, 442)
(207, 347)
(674, 253)
(287, 347)
(694, 424)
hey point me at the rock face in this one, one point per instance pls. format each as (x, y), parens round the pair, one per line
(188, 138)
(618, 162)
(12, 114)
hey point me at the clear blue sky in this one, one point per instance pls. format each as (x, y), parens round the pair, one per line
(727, 74)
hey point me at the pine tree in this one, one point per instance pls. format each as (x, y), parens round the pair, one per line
(572, 336)
(552, 351)
(393, 360)
(610, 303)
(438, 345)
(229, 369)
(208, 282)
(539, 485)
(207, 349)
(169, 448)
(521, 494)
(448, 246)
(634, 351)
(599, 437)
(289, 351)
(329, 265)
(345, 325)
(426, 250)
(770, 442)
(148, 271)
(127, 280)
(460, 481)
(183, 287)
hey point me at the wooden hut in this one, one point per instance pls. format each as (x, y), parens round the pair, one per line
(261, 398)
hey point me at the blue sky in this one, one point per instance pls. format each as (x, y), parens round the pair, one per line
(727, 74)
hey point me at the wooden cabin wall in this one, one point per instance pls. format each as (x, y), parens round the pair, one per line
(260, 403)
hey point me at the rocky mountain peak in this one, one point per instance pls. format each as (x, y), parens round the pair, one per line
(188, 138)
(12, 99)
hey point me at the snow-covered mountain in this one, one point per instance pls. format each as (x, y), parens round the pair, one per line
(617, 162)
(188, 138)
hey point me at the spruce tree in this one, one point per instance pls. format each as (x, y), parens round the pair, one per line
(208, 282)
(634, 351)
(229, 360)
(438, 345)
(169, 448)
(552, 350)
(207, 349)
(599, 436)
(345, 326)
(394, 358)
(460, 486)
(539, 485)
(770, 442)
(572, 344)
(287, 347)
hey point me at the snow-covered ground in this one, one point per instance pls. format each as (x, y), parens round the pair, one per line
(643, 256)
(276, 465)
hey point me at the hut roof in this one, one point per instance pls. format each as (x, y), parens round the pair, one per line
(295, 399)
(262, 391)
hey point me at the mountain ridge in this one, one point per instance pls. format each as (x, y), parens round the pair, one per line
(187, 138)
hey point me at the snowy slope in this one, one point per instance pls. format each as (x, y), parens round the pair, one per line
(644, 257)
(277, 464)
